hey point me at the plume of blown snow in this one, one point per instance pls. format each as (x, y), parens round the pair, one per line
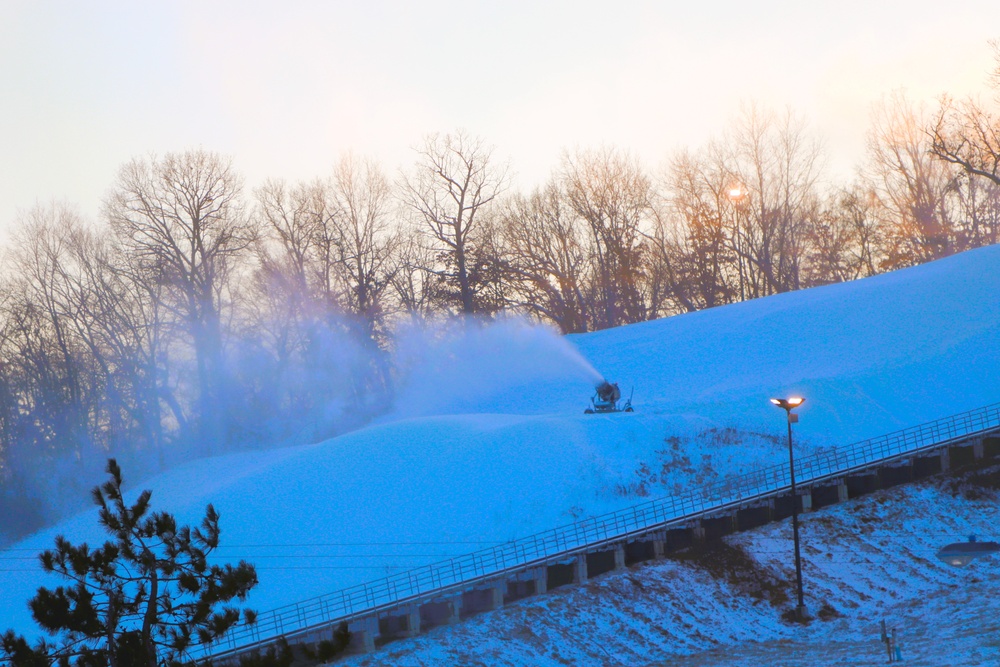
(508, 366)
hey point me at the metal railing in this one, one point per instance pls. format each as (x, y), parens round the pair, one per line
(533, 550)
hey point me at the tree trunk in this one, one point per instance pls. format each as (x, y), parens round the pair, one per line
(468, 308)
(149, 619)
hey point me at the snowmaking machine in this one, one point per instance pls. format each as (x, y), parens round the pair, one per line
(606, 399)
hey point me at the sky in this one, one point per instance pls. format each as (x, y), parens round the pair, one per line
(285, 89)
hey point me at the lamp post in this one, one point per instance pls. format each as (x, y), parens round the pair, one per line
(789, 404)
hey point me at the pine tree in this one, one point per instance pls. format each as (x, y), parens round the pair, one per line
(143, 598)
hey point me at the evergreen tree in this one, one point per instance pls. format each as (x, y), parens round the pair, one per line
(143, 598)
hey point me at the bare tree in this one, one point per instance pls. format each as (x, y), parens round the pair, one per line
(454, 181)
(332, 242)
(967, 133)
(293, 221)
(912, 187)
(292, 293)
(691, 246)
(413, 277)
(363, 239)
(181, 217)
(327, 258)
(78, 378)
(977, 203)
(774, 168)
(548, 257)
(97, 311)
(120, 323)
(609, 191)
(846, 241)
(48, 313)
(834, 253)
(298, 279)
(736, 219)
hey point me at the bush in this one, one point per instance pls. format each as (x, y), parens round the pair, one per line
(278, 654)
(338, 644)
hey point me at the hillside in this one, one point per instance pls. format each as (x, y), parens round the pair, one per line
(868, 560)
(489, 441)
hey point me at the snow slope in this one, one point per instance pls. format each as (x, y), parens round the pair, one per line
(488, 441)
(865, 561)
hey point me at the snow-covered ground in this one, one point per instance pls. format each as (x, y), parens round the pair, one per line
(869, 560)
(489, 441)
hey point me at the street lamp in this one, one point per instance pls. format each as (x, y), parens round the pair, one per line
(789, 404)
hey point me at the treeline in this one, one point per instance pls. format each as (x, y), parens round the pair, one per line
(197, 316)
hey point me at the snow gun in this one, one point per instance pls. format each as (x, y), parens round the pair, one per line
(606, 399)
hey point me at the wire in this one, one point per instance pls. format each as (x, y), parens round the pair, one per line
(266, 545)
(318, 567)
(818, 557)
(292, 545)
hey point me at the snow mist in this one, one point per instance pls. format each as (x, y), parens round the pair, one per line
(508, 366)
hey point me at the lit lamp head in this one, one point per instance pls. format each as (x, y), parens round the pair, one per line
(789, 404)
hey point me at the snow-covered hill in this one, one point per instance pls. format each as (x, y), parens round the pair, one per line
(489, 441)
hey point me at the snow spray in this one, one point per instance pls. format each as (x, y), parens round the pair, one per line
(509, 366)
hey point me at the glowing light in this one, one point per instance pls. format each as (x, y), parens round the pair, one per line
(735, 193)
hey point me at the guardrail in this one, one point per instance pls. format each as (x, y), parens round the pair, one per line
(545, 546)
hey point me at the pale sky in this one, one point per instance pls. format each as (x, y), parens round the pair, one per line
(286, 88)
